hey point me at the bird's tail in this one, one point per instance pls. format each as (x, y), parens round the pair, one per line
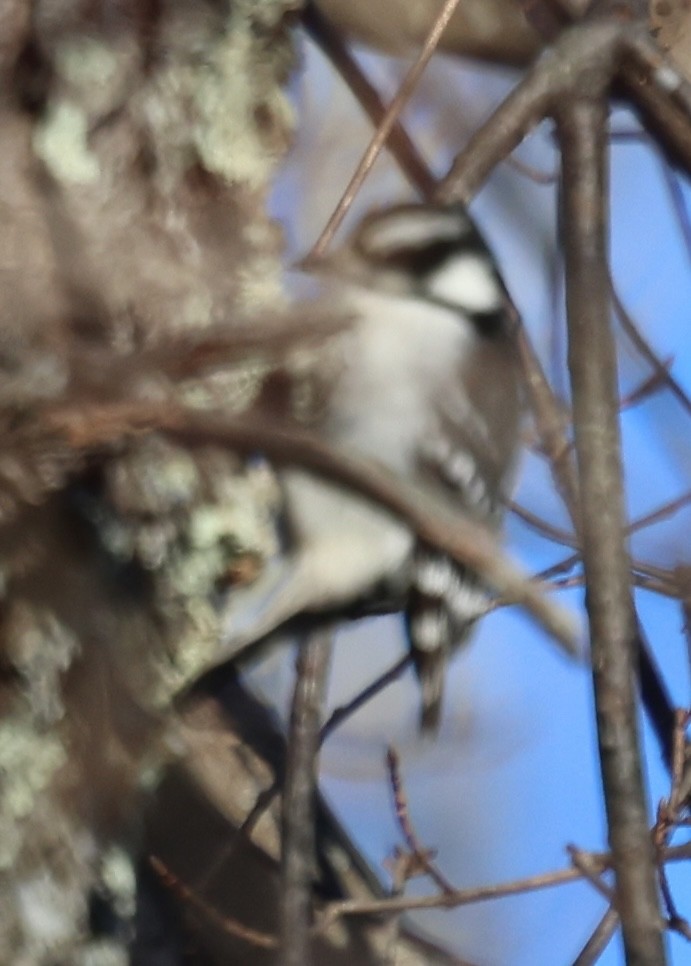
(444, 603)
(430, 668)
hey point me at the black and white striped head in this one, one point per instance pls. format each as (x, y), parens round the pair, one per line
(429, 252)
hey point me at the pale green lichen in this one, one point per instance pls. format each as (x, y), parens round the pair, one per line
(85, 63)
(28, 762)
(227, 135)
(266, 14)
(260, 285)
(192, 650)
(222, 106)
(154, 479)
(119, 878)
(41, 649)
(234, 389)
(47, 908)
(208, 108)
(240, 520)
(196, 310)
(214, 536)
(217, 533)
(218, 103)
(260, 279)
(104, 952)
(60, 141)
(95, 74)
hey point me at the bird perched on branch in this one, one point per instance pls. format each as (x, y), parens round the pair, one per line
(426, 382)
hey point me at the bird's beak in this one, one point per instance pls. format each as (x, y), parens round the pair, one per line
(313, 264)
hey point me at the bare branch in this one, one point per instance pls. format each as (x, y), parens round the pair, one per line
(579, 53)
(592, 368)
(669, 816)
(651, 80)
(463, 897)
(447, 900)
(660, 72)
(298, 847)
(226, 923)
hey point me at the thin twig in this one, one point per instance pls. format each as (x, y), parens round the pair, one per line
(646, 389)
(661, 513)
(549, 530)
(339, 715)
(561, 567)
(395, 905)
(461, 897)
(668, 509)
(443, 900)
(678, 200)
(531, 173)
(599, 939)
(231, 926)
(383, 130)
(262, 803)
(643, 348)
(399, 142)
(662, 589)
(683, 582)
(421, 856)
(591, 871)
(399, 866)
(669, 816)
(267, 796)
(568, 583)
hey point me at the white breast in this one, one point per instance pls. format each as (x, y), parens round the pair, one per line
(396, 355)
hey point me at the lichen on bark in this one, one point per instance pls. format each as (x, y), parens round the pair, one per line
(139, 142)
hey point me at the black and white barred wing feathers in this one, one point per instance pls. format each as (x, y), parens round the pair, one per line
(467, 458)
